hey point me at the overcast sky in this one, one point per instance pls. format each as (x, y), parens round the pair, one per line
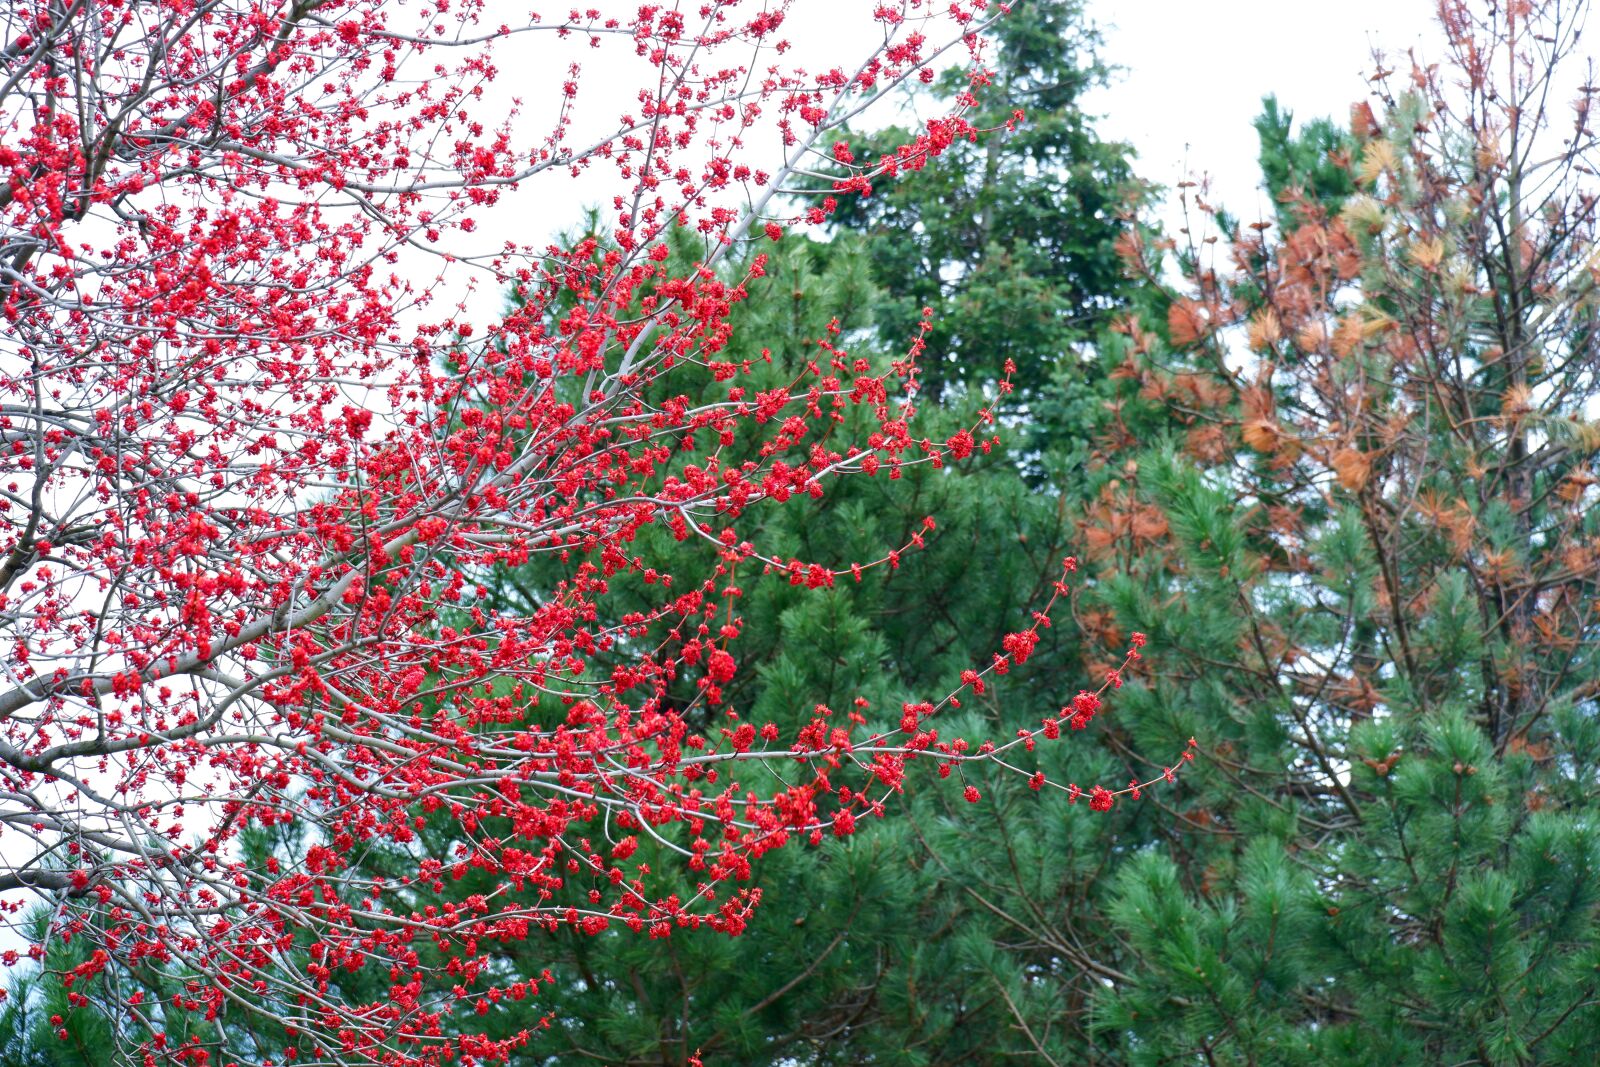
(1191, 78)
(1194, 73)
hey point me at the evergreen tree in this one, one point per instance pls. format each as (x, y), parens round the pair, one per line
(1309, 163)
(1010, 239)
(1370, 581)
(913, 941)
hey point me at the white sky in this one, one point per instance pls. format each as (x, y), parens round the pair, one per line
(1195, 72)
(1192, 76)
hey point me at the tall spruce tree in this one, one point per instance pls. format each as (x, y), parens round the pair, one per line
(1011, 238)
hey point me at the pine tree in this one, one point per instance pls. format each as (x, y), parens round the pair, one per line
(1370, 589)
(911, 942)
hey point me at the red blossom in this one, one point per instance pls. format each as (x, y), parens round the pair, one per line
(273, 467)
(720, 667)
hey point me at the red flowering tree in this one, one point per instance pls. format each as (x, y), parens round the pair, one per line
(254, 479)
